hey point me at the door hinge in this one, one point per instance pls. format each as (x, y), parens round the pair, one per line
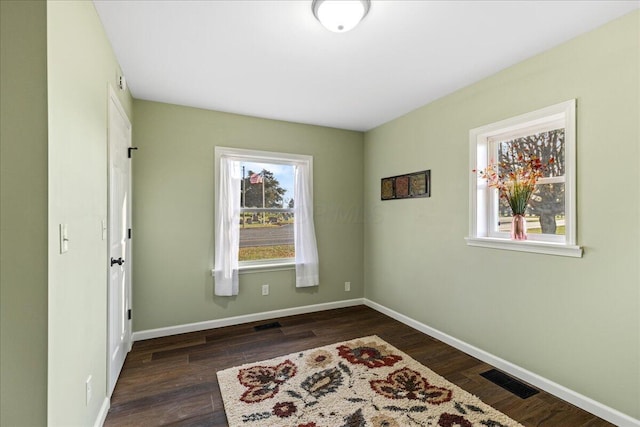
(129, 151)
(129, 314)
(129, 233)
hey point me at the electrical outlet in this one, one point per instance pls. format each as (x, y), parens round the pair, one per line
(347, 286)
(88, 390)
(265, 289)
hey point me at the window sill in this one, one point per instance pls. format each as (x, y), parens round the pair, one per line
(526, 246)
(266, 267)
(263, 268)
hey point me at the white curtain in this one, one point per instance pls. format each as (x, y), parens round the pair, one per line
(227, 227)
(304, 231)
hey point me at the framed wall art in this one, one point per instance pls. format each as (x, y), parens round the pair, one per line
(408, 186)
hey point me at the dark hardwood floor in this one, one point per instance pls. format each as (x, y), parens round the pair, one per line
(172, 380)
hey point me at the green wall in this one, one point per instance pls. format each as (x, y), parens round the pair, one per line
(573, 321)
(23, 213)
(173, 213)
(81, 65)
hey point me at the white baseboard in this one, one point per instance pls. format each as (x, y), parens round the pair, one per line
(102, 415)
(605, 412)
(577, 399)
(237, 320)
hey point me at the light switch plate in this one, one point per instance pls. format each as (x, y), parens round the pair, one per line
(88, 390)
(64, 238)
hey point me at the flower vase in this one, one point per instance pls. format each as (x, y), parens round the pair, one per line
(519, 227)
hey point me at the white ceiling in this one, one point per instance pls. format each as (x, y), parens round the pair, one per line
(272, 59)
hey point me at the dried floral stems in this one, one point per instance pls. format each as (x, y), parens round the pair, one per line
(515, 183)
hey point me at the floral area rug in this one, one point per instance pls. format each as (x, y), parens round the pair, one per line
(358, 383)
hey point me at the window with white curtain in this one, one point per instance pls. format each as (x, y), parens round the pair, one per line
(263, 216)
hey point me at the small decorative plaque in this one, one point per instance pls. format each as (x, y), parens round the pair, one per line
(408, 186)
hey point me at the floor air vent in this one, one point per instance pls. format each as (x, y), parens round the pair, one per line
(267, 326)
(509, 383)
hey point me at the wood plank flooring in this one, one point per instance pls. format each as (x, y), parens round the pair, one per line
(171, 381)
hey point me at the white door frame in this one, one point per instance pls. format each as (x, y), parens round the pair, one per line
(113, 369)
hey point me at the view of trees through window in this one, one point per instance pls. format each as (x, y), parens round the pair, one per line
(266, 206)
(546, 210)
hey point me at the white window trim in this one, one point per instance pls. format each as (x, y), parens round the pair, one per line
(481, 205)
(240, 154)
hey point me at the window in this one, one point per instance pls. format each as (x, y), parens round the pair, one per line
(548, 133)
(264, 216)
(267, 216)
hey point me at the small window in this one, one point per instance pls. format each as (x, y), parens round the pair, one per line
(548, 135)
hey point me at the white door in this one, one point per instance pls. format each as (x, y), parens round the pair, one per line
(119, 262)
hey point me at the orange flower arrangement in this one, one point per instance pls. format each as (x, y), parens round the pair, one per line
(515, 183)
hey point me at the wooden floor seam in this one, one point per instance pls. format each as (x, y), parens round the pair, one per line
(171, 381)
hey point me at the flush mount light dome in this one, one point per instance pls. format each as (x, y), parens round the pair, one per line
(340, 16)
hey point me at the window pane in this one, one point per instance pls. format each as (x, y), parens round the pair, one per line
(544, 145)
(266, 185)
(266, 235)
(545, 212)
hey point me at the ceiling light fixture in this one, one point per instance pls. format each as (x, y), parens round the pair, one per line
(340, 16)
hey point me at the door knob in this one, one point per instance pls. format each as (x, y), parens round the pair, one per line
(118, 261)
